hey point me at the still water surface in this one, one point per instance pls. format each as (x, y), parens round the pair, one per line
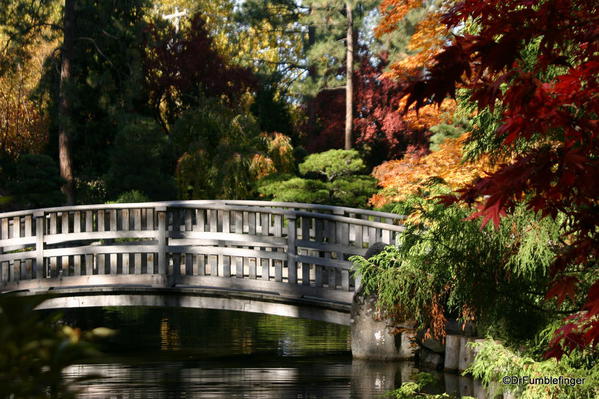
(191, 353)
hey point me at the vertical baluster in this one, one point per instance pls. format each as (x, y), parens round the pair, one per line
(226, 221)
(176, 265)
(113, 219)
(136, 219)
(4, 228)
(252, 223)
(89, 221)
(238, 216)
(265, 269)
(16, 270)
(200, 220)
(188, 219)
(76, 222)
(101, 220)
(89, 264)
(189, 264)
(124, 220)
(239, 266)
(16, 227)
(251, 263)
(291, 248)
(226, 266)
(162, 240)
(265, 224)
(113, 264)
(53, 272)
(137, 263)
(76, 261)
(200, 265)
(4, 274)
(28, 269)
(65, 223)
(126, 263)
(212, 220)
(28, 232)
(53, 223)
(39, 244)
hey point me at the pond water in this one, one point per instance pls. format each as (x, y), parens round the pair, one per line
(191, 353)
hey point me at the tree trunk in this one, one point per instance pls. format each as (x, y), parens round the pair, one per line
(349, 87)
(64, 106)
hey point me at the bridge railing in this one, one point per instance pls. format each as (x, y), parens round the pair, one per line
(189, 242)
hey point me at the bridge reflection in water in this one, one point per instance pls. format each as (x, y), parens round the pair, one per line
(306, 379)
(286, 259)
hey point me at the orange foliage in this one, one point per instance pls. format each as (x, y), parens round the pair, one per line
(400, 178)
(426, 41)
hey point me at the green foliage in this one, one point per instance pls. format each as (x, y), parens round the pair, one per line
(294, 189)
(36, 182)
(333, 164)
(494, 361)
(215, 145)
(446, 265)
(129, 197)
(138, 161)
(445, 131)
(34, 350)
(341, 185)
(413, 389)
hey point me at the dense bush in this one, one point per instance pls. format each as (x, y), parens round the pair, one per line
(331, 177)
(138, 161)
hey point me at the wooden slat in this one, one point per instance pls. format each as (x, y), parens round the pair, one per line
(306, 274)
(124, 220)
(113, 219)
(76, 222)
(188, 219)
(126, 260)
(89, 221)
(4, 230)
(238, 220)
(77, 265)
(238, 266)
(137, 263)
(53, 223)
(136, 216)
(28, 232)
(200, 220)
(265, 268)
(65, 222)
(251, 222)
(176, 264)
(189, 264)
(265, 224)
(212, 220)
(16, 271)
(226, 222)
(101, 220)
(252, 266)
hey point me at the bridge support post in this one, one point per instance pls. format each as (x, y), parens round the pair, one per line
(291, 250)
(39, 245)
(372, 338)
(162, 244)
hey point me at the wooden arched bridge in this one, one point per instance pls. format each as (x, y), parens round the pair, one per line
(287, 259)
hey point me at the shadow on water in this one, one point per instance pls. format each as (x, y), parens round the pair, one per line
(191, 353)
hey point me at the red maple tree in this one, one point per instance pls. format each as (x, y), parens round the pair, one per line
(550, 103)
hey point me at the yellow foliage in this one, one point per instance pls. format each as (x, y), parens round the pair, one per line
(401, 178)
(23, 124)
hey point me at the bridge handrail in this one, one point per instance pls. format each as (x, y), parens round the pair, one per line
(186, 241)
(338, 210)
